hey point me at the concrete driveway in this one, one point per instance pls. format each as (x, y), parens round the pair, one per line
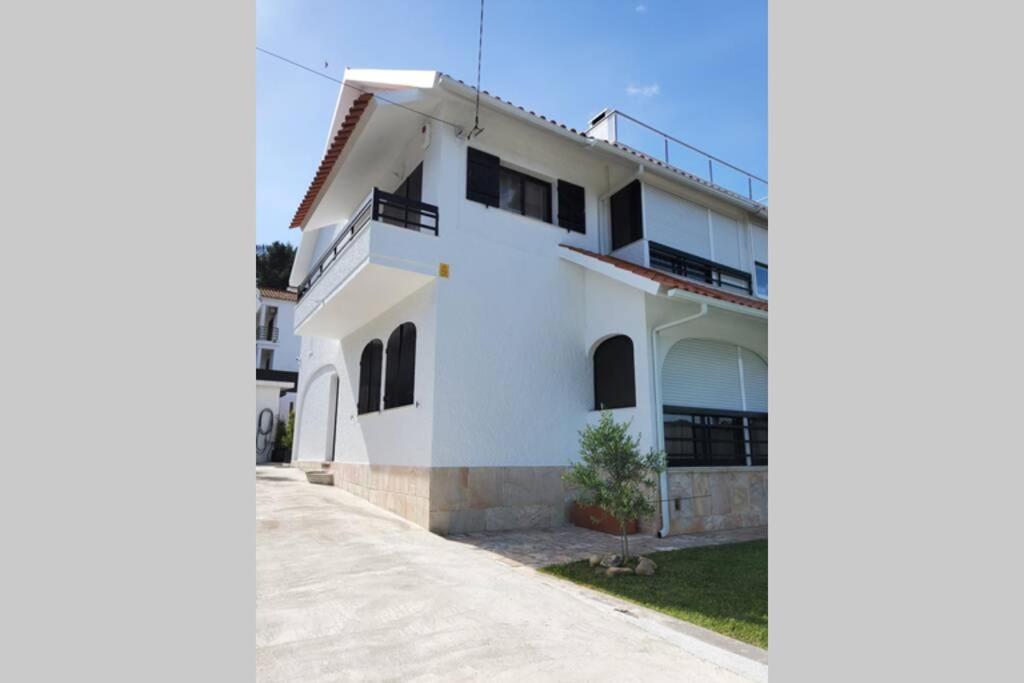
(347, 591)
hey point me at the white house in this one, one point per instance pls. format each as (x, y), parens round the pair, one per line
(468, 300)
(277, 364)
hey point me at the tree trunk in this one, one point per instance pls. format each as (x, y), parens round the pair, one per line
(625, 542)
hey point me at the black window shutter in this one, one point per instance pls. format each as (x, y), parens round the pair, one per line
(378, 359)
(638, 211)
(400, 366)
(571, 211)
(364, 382)
(627, 215)
(391, 369)
(408, 364)
(614, 376)
(369, 377)
(482, 184)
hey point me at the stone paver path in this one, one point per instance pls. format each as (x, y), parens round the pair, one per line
(542, 547)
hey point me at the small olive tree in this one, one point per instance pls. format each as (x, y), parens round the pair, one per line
(613, 475)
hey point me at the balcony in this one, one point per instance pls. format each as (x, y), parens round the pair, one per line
(624, 130)
(385, 252)
(699, 269)
(265, 333)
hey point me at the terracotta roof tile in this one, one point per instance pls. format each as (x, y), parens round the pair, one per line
(674, 282)
(278, 294)
(355, 112)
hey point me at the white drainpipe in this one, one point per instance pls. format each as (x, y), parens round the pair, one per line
(659, 417)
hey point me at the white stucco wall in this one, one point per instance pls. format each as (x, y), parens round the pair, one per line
(397, 436)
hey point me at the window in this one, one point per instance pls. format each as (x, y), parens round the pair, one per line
(266, 359)
(369, 377)
(490, 183)
(761, 270)
(571, 211)
(523, 194)
(696, 437)
(627, 216)
(400, 371)
(614, 381)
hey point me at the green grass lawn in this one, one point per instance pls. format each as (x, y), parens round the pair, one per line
(723, 588)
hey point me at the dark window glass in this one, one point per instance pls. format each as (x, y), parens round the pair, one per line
(614, 378)
(511, 191)
(525, 195)
(536, 199)
(400, 368)
(369, 377)
(627, 216)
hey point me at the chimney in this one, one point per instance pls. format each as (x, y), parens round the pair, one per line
(603, 126)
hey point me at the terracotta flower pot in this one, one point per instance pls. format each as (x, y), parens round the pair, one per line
(582, 516)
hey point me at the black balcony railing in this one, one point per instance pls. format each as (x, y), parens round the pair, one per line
(699, 269)
(265, 333)
(381, 206)
(695, 437)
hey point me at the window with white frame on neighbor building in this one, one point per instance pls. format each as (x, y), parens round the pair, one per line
(761, 278)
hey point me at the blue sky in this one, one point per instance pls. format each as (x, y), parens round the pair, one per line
(695, 69)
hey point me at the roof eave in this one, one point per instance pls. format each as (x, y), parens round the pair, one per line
(460, 89)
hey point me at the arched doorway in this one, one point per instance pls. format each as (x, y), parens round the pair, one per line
(317, 419)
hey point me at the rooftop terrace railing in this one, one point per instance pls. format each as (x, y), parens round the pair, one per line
(615, 126)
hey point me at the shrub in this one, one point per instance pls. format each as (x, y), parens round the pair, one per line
(286, 432)
(614, 475)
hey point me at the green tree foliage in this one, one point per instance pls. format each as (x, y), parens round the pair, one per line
(274, 265)
(613, 475)
(286, 432)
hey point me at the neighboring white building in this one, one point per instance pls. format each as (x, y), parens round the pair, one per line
(468, 302)
(277, 364)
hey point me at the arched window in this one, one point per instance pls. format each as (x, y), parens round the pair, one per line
(369, 377)
(400, 373)
(614, 378)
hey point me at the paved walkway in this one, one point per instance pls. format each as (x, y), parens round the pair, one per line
(542, 547)
(347, 591)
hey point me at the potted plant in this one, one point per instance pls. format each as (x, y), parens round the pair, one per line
(614, 476)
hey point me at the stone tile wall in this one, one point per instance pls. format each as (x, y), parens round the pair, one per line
(468, 499)
(713, 499)
(456, 500)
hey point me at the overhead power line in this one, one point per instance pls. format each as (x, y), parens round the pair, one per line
(479, 61)
(376, 95)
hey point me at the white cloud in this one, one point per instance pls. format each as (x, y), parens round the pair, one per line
(640, 9)
(643, 90)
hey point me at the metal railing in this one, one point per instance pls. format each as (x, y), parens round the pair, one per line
(265, 333)
(699, 269)
(381, 206)
(696, 437)
(755, 186)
